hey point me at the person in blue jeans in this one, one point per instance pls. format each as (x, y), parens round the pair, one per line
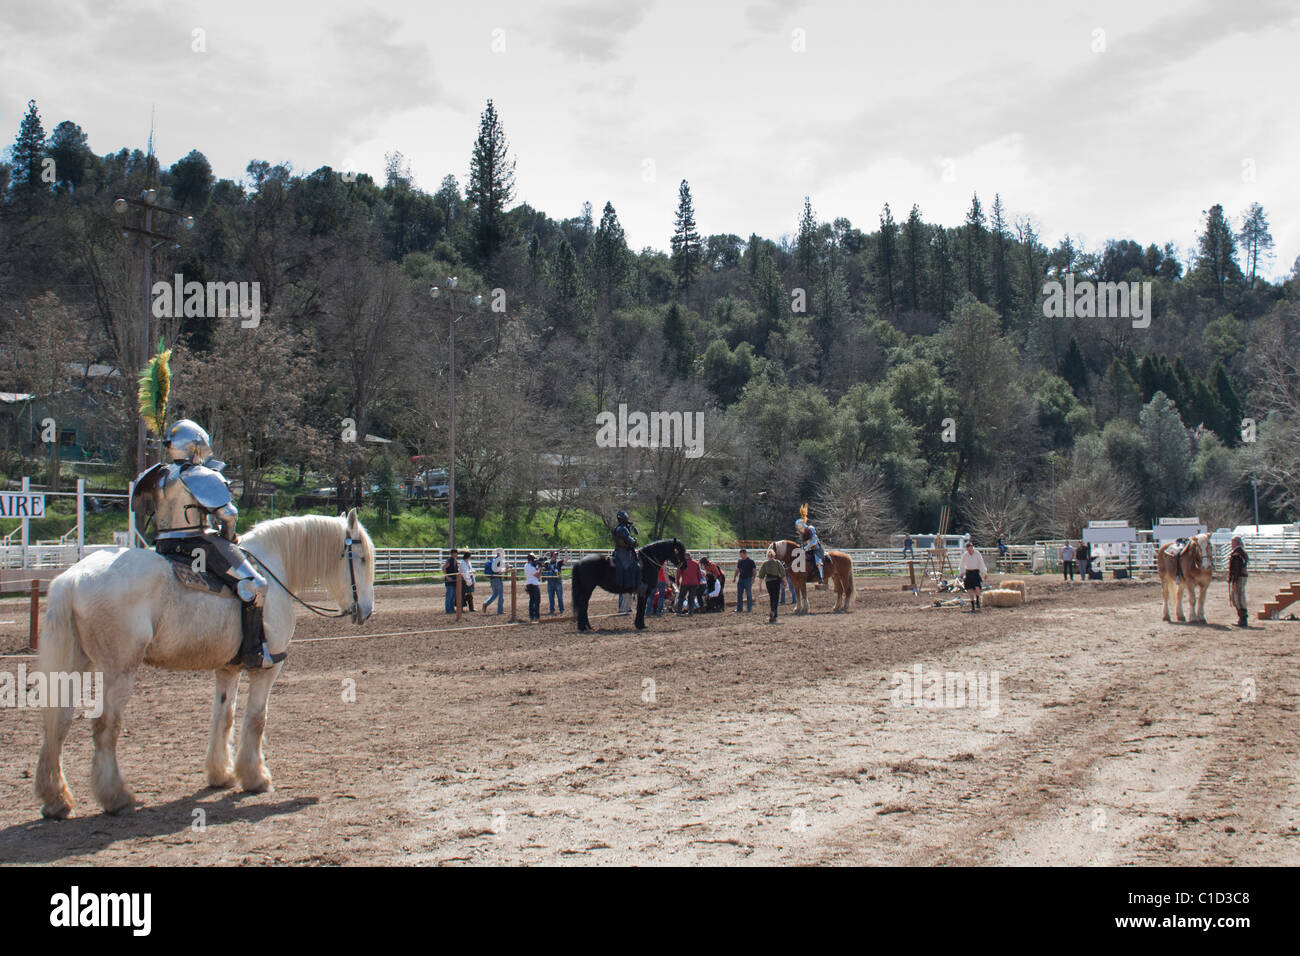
(787, 586)
(450, 572)
(551, 571)
(745, 568)
(496, 567)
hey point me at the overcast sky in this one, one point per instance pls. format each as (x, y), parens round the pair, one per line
(855, 104)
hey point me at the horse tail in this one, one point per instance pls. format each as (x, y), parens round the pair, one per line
(58, 639)
(848, 581)
(59, 652)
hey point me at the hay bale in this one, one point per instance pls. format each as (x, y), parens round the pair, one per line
(1004, 597)
(1016, 584)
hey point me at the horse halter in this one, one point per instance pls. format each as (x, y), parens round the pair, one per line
(355, 609)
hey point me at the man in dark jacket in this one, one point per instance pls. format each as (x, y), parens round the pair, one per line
(1237, 562)
(745, 569)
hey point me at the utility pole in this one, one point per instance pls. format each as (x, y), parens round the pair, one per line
(149, 241)
(456, 301)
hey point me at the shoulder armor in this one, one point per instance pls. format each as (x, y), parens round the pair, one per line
(146, 483)
(209, 488)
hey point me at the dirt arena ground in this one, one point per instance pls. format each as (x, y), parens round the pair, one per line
(1113, 738)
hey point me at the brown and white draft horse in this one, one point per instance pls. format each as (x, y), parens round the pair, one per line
(1186, 565)
(838, 568)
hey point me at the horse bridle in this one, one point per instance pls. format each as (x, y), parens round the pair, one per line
(354, 609)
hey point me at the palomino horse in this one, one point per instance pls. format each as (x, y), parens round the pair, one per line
(597, 571)
(114, 610)
(1189, 567)
(838, 568)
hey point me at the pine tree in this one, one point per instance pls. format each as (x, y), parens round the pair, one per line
(886, 256)
(70, 151)
(1074, 370)
(1256, 241)
(491, 184)
(913, 246)
(1002, 296)
(678, 355)
(28, 152)
(1226, 394)
(974, 239)
(610, 259)
(686, 240)
(805, 251)
(942, 293)
(1217, 252)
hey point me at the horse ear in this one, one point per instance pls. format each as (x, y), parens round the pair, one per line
(352, 519)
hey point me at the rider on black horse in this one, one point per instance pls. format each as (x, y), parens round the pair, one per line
(627, 569)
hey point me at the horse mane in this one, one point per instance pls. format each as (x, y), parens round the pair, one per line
(308, 545)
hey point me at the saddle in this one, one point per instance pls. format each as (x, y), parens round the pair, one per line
(183, 571)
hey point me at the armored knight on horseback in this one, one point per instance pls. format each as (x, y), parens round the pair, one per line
(627, 568)
(194, 513)
(811, 544)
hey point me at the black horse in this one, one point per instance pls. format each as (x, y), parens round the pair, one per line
(597, 570)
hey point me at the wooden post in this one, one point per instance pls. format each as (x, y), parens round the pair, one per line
(911, 573)
(34, 627)
(514, 597)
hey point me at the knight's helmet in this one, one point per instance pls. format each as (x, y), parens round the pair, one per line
(623, 517)
(801, 522)
(187, 441)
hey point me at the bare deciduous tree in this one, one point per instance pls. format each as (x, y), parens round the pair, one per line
(855, 508)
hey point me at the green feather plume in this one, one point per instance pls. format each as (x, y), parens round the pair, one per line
(155, 383)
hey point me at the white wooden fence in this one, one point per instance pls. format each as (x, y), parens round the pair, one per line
(1266, 554)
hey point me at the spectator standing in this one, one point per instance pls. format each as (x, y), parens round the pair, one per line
(908, 551)
(1067, 562)
(973, 570)
(496, 569)
(688, 586)
(450, 574)
(533, 585)
(551, 571)
(1237, 574)
(772, 573)
(1083, 557)
(466, 580)
(661, 588)
(745, 568)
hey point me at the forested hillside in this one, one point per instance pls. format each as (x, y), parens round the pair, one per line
(876, 369)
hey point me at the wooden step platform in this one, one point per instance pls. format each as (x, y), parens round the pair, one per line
(1284, 599)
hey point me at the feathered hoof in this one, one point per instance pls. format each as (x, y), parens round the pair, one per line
(119, 804)
(56, 811)
(221, 783)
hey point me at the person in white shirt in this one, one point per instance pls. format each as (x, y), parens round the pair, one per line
(467, 579)
(973, 568)
(533, 585)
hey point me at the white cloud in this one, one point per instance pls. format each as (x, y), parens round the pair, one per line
(1132, 142)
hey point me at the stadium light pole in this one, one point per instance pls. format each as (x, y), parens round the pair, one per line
(456, 301)
(1254, 485)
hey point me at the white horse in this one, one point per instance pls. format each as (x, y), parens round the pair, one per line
(114, 610)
